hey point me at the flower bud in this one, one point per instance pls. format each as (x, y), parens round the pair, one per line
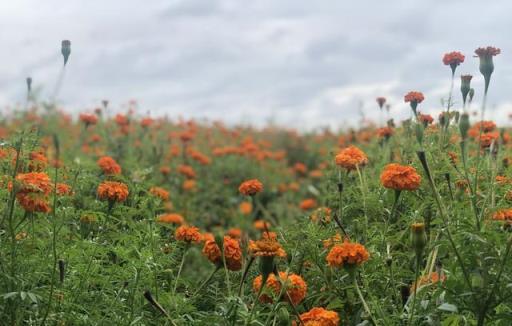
(471, 94)
(283, 316)
(29, 84)
(465, 86)
(464, 125)
(418, 238)
(486, 62)
(66, 50)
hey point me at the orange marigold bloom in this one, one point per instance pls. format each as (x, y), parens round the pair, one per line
(146, 122)
(63, 189)
(385, 132)
(400, 177)
(188, 234)
(38, 161)
(109, 166)
(488, 138)
(295, 287)
(235, 233)
(503, 215)
(34, 182)
(308, 204)
(502, 180)
(425, 280)
(453, 58)
(250, 187)
(347, 253)
(165, 170)
(189, 185)
(300, 168)
(187, 171)
(414, 97)
(113, 191)
(232, 253)
(426, 119)
(171, 219)
(160, 193)
(245, 208)
(266, 247)
(33, 202)
(319, 317)
(261, 225)
(350, 158)
(88, 119)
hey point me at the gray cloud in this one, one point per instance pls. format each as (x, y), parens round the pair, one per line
(300, 63)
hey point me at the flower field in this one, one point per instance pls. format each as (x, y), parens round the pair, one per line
(125, 219)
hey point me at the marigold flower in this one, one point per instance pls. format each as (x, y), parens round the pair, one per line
(488, 138)
(171, 219)
(425, 280)
(266, 247)
(400, 177)
(319, 317)
(234, 233)
(187, 171)
(188, 234)
(347, 253)
(250, 187)
(88, 119)
(261, 225)
(487, 51)
(295, 287)
(232, 253)
(109, 166)
(414, 97)
(453, 58)
(165, 170)
(426, 119)
(113, 191)
(308, 204)
(385, 132)
(503, 215)
(189, 185)
(159, 193)
(63, 189)
(38, 162)
(350, 158)
(34, 182)
(245, 208)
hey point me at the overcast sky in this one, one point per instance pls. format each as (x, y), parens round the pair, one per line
(300, 63)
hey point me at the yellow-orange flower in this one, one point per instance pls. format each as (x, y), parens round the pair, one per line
(250, 187)
(266, 247)
(295, 287)
(113, 191)
(347, 253)
(400, 177)
(188, 234)
(319, 317)
(171, 219)
(351, 157)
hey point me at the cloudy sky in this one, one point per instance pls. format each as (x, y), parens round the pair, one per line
(301, 63)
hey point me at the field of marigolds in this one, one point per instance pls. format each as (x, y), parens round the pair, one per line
(125, 219)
